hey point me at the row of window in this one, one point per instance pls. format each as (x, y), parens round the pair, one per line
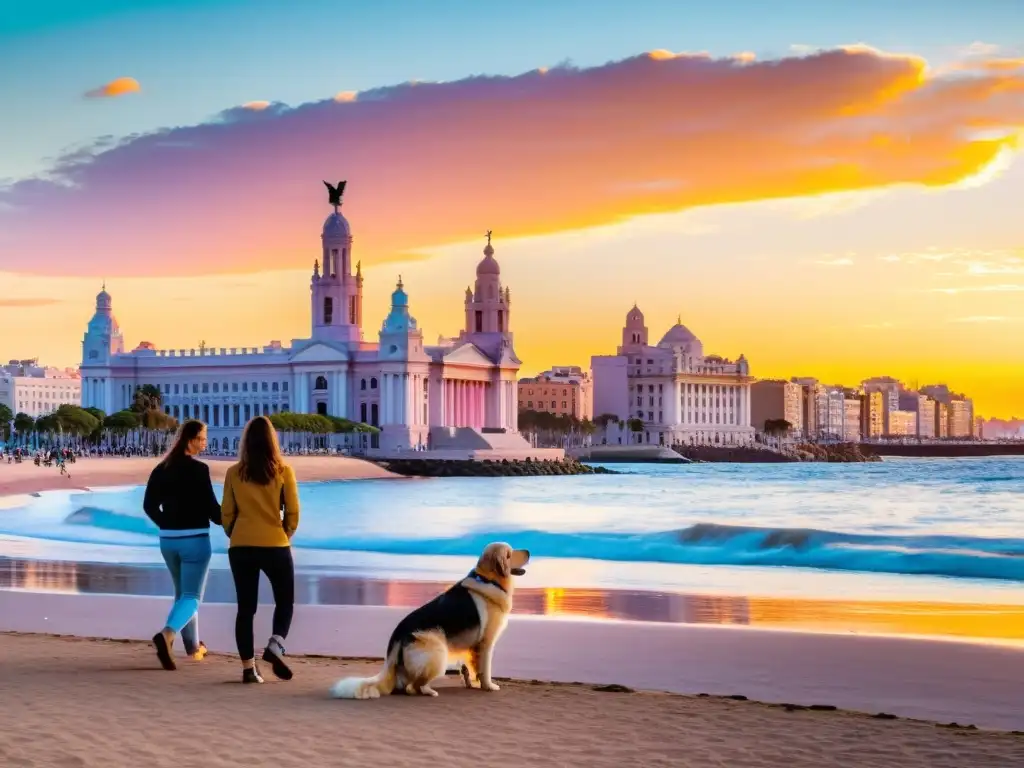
(702, 417)
(264, 386)
(542, 404)
(223, 415)
(205, 387)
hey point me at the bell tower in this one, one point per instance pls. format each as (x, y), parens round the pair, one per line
(634, 332)
(336, 302)
(487, 303)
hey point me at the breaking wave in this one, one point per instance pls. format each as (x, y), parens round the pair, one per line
(952, 556)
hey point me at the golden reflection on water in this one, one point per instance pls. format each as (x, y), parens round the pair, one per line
(966, 621)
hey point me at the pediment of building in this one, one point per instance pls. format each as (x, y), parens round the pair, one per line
(319, 352)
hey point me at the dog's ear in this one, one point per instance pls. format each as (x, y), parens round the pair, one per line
(501, 560)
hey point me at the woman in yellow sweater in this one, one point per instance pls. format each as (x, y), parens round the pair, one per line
(260, 512)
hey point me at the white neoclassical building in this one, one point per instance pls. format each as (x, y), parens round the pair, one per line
(457, 394)
(682, 396)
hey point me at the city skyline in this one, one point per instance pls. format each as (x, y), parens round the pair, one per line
(826, 206)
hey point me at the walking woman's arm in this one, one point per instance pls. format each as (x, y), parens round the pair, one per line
(228, 509)
(211, 498)
(154, 494)
(291, 502)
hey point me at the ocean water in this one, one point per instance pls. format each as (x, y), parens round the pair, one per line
(933, 529)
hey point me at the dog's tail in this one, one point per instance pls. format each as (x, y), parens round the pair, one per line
(370, 687)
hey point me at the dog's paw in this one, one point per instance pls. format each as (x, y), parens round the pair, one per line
(490, 685)
(467, 676)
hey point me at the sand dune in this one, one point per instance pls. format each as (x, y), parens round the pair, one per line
(107, 471)
(74, 702)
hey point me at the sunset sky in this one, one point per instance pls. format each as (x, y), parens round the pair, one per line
(832, 189)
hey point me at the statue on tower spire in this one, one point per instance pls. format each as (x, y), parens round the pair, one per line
(489, 236)
(334, 194)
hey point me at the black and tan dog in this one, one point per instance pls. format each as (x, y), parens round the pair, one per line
(460, 625)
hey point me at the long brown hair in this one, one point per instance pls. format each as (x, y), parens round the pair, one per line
(190, 430)
(259, 457)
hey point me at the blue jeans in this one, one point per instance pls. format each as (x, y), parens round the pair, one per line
(188, 560)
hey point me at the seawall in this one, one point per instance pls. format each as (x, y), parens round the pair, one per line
(943, 450)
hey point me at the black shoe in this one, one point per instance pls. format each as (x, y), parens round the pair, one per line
(164, 652)
(251, 675)
(274, 656)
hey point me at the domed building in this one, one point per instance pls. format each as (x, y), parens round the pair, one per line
(459, 394)
(680, 395)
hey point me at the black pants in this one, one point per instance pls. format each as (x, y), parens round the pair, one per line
(246, 564)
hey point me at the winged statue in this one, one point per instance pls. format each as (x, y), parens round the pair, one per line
(334, 193)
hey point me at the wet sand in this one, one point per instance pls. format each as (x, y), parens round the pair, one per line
(74, 702)
(93, 472)
(981, 622)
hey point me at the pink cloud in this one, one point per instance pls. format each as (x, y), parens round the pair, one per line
(548, 150)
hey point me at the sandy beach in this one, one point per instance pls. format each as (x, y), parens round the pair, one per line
(91, 472)
(74, 702)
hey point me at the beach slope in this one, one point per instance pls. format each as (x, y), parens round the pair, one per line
(76, 702)
(112, 471)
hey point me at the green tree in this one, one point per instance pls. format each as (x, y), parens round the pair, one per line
(122, 422)
(6, 417)
(636, 426)
(97, 434)
(23, 425)
(75, 421)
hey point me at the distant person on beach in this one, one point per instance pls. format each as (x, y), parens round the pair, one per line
(260, 513)
(180, 500)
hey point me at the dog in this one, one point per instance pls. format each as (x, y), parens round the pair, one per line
(462, 624)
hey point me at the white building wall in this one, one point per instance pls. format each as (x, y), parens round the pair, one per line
(39, 395)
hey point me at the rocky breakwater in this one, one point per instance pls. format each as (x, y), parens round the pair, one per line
(843, 453)
(489, 468)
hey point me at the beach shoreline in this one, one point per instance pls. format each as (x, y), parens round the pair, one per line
(529, 722)
(935, 617)
(108, 471)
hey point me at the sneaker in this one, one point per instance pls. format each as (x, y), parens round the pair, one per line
(199, 653)
(163, 646)
(274, 656)
(251, 675)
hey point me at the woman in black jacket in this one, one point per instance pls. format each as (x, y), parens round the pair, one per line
(180, 500)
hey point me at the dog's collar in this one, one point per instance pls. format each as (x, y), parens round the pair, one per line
(484, 580)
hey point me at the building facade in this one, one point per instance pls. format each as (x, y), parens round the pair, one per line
(26, 387)
(956, 418)
(853, 408)
(681, 395)
(873, 421)
(565, 390)
(459, 393)
(902, 423)
(774, 399)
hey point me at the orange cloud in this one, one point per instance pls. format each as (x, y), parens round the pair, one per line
(256, 106)
(542, 152)
(344, 96)
(118, 87)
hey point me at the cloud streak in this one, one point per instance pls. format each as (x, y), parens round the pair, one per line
(984, 319)
(118, 87)
(999, 288)
(542, 152)
(26, 303)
